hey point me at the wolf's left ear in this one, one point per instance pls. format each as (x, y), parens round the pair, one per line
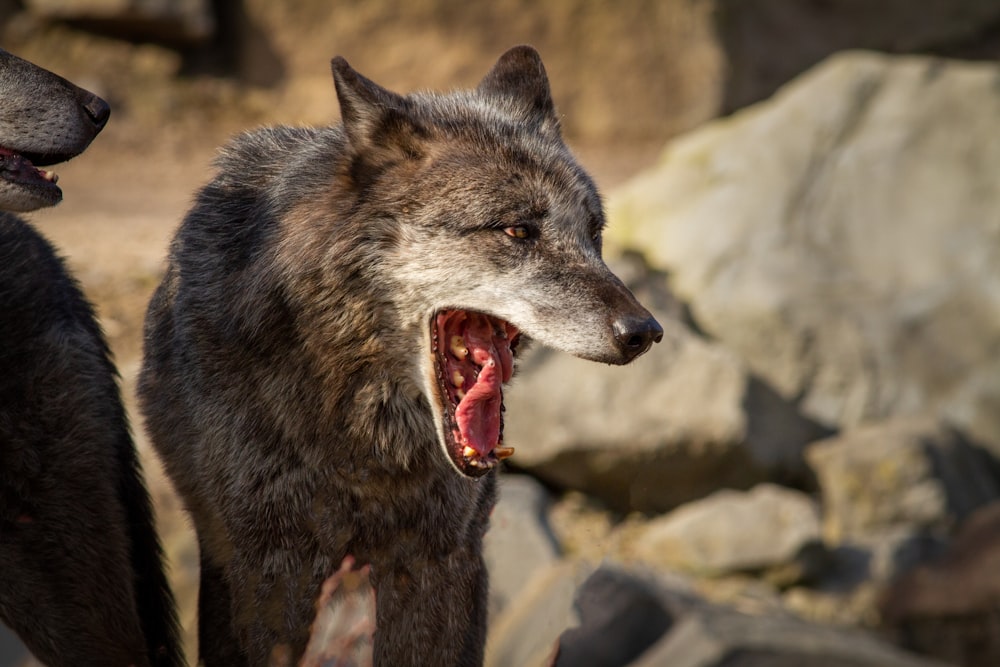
(367, 109)
(518, 79)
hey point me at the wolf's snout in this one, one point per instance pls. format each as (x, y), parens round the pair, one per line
(636, 334)
(97, 109)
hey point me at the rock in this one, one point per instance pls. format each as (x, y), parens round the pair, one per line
(733, 531)
(527, 631)
(951, 609)
(12, 651)
(843, 239)
(907, 473)
(681, 422)
(175, 21)
(721, 637)
(519, 543)
(632, 617)
(761, 57)
(621, 615)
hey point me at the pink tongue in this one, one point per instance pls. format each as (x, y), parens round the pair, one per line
(478, 413)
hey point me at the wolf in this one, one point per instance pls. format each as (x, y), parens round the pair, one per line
(325, 357)
(81, 573)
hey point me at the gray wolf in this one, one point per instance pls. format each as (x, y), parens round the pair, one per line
(325, 356)
(81, 579)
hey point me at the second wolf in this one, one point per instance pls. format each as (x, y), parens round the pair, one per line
(325, 356)
(81, 577)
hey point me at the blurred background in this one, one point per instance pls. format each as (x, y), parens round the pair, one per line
(806, 192)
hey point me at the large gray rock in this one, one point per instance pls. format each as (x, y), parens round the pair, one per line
(843, 238)
(733, 531)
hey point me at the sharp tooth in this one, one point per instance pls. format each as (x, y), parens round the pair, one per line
(460, 394)
(458, 347)
(504, 452)
(49, 175)
(470, 453)
(457, 378)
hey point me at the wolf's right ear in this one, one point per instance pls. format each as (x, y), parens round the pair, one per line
(365, 106)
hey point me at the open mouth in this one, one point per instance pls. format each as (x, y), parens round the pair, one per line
(20, 168)
(473, 357)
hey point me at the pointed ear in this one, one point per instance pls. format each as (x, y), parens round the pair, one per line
(370, 113)
(518, 79)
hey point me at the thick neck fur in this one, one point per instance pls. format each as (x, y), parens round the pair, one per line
(350, 354)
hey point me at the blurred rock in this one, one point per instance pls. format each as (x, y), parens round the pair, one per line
(906, 473)
(678, 424)
(631, 617)
(843, 238)
(12, 651)
(951, 609)
(174, 21)
(519, 543)
(621, 615)
(527, 631)
(767, 43)
(733, 531)
(721, 637)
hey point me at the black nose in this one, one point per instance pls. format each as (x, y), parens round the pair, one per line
(636, 334)
(96, 108)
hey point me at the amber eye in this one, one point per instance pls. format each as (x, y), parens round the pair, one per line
(517, 232)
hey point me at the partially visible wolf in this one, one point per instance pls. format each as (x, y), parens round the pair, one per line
(325, 356)
(81, 579)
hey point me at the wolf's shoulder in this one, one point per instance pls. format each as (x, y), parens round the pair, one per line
(267, 154)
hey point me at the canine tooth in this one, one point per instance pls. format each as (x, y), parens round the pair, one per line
(457, 378)
(504, 452)
(460, 394)
(458, 347)
(469, 452)
(50, 175)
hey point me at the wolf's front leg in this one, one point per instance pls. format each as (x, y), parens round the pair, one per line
(432, 613)
(274, 602)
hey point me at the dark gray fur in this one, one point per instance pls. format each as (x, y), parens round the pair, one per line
(284, 379)
(81, 579)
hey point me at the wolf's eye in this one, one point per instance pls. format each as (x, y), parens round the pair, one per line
(517, 232)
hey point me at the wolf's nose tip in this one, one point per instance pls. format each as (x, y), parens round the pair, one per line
(635, 335)
(97, 109)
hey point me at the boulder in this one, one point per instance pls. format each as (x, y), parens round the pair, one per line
(951, 608)
(908, 473)
(842, 238)
(527, 631)
(621, 615)
(733, 531)
(519, 543)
